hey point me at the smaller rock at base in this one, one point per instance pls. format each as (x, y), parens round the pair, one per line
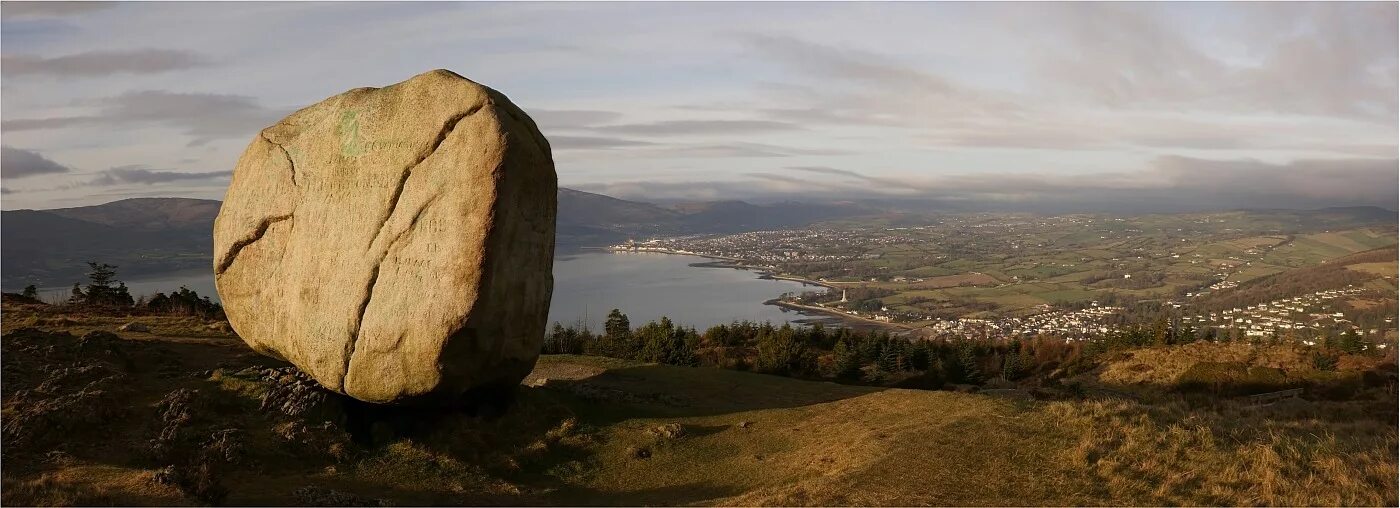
(134, 327)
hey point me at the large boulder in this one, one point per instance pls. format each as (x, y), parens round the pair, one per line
(394, 243)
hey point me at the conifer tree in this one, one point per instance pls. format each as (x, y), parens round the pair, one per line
(1011, 367)
(889, 359)
(967, 361)
(1351, 343)
(847, 361)
(617, 331)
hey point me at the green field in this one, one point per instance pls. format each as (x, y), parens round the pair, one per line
(1079, 258)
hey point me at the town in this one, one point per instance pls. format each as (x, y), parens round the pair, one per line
(1073, 276)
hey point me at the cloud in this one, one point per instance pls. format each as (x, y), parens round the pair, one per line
(6, 190)
(50, 9)
(1168, 183)
(103, 63)
(861, 85)
(831, 171)
(852, 175)
(592, 143)
(1303, 58)
(549, 119)
(689, 127)
(1337, 181)
(740, 149)
(202, 116)
(26, 124)
(21, 163)
(142, 175)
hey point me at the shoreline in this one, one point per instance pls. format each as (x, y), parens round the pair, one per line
(864, 322)
(765, 273)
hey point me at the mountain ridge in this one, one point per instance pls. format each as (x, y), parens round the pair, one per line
(152, 235)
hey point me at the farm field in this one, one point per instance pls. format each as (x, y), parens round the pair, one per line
(984, 265)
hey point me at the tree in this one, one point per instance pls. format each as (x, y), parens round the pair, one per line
(1160, 332)
(77, 296)
(847, 361)
(30, 292)
(655, 339)
(561, 341)
(967, 361)
(617, 334)
(1323, 361)
(889, 359)
(918, 356)
(1351, 343)
(953, 369)
(100, 290)
(779, 352)
(185, 302)
(1011, 367)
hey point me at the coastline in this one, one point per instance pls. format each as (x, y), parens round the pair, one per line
(857, 320)
(766, 273)
(763, 271)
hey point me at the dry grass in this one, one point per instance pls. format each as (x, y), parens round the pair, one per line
(1386, 269)
(589, 431)
(1170, 455)
(1162, 366)
(79, 321)
(90, 485)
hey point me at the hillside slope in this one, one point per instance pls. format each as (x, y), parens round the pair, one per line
(204, 420)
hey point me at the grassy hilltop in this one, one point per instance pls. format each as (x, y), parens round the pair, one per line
(184, 413)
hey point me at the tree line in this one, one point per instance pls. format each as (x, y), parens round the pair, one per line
(104, 291)
(879, 358)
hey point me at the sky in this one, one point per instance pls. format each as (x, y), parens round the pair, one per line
(1174, 105)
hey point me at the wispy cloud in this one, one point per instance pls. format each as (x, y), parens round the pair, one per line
(146, 176)
(592, 143)
(21, 163)
(103, 63)
(550, 119)
(1169, 184)
(1314, 58)
(36, 9)
(700, 127)
(203, 117)
(993, 103)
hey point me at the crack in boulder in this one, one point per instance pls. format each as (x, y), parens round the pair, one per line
(256, 235)
(355, 333)
(288, 155)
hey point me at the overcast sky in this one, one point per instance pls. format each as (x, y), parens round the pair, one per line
(1206, 105)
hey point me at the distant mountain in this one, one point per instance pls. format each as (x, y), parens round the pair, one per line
(588, 219)
(740, 216)
(148, 214)
(142, 236)
(145, 236)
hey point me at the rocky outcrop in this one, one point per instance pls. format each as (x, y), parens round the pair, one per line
(394, 243)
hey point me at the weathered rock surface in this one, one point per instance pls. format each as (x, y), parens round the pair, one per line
(394, 243)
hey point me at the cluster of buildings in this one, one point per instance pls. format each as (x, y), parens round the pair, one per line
(1065, 323)
(768, 247)
(1307, 312)
(1069, 323)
